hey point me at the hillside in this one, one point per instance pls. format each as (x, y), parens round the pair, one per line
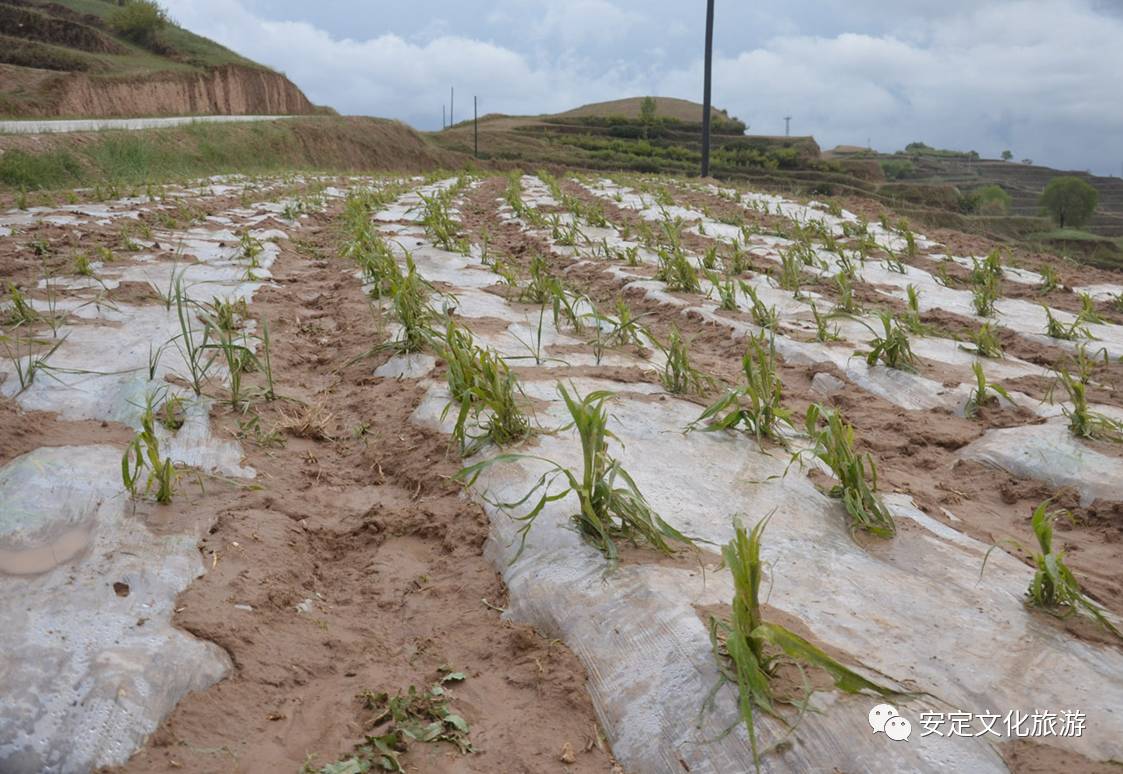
(79, 58)
(615, 136)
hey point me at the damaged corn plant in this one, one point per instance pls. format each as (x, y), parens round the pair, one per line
(749, 650)
(758, 404)
(611, 508)
(856, 473)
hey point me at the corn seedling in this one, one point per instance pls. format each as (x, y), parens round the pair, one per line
(481, 385)
(143, 453)
(986, 341)
(891, 346)
(748, 649)
(984, 294)
(677, 271)
(912, 316)
(410, 294)
(856, 473)
(982, 394)
(823, 330)
(172, 413)
(758, 404)
(611, 506)
(679, 377)
(542, 286)
(726, 290)
(1088, 313)
(249, 247)
(1055, 329)
(1049, 279)
(709, 258)
(1054, 587)
(896, 265)
(791, 271)
(439, 223)
(763, 316)
(846, 301)
(1082, 421)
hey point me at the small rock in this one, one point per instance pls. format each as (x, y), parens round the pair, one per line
(567, 754)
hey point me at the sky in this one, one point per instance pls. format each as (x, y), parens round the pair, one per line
(1042, 78)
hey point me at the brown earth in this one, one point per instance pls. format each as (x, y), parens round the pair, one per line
(226, 90)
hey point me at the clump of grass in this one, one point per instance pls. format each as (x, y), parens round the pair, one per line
(1054, 587)
(611, 506)
(679, 377)
(758, 404)
(481, 385)
(143, 454)
(82, 266)
(985, 392)
(856, 473)
(748, 648)
(891, 346)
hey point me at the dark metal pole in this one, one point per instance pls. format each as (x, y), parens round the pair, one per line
(706, 96)
(476, 122)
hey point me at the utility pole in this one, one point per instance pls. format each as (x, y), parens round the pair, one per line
(707, 88)
(787, 126)
(444, 117)
(451, 105)
(476, 122)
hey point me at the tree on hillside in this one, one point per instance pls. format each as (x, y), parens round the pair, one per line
(139, 21)
(647, 110)
(1007, 155)
(1070, 201)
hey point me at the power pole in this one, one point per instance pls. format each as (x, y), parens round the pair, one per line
(707, 88)
(476, 122)
(787, 126)
(451, 105)
(444, 117)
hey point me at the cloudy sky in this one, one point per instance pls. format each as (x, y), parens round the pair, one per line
(1040, 77)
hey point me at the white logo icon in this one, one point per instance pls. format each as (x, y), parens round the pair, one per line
(885, 718)
(880, 714)
(898, 729)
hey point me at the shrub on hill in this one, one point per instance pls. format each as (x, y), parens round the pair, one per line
(139, 21)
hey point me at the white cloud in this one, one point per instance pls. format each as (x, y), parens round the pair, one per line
(1038, 76)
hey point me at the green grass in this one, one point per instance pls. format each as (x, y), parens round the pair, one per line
(611, 508)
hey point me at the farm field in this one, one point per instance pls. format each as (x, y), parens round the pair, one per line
(629, 473)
